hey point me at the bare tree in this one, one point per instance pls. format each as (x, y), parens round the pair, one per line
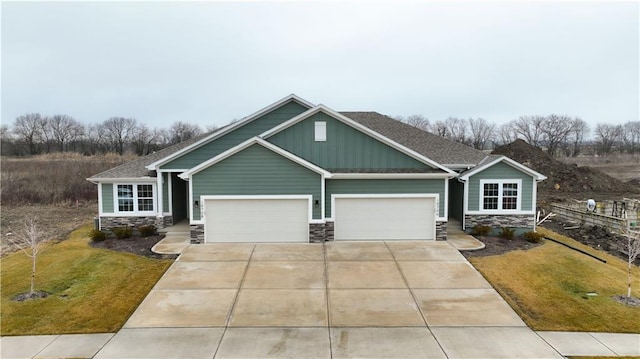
(118, 131)
(212, 128)
(507, 133)
(27, 127)
(606, 136)
(440, 128)
(142, 140)
(631, 136)
(64, 129)
(631, 247)
(579, 131)
(182, 131)
(555, 129)
(29, 239)
(530, 128)
(481, 132)
(457, 129)
(418, 121)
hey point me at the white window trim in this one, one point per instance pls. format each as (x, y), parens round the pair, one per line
(135, 212)
(500, 183)
(320, 131)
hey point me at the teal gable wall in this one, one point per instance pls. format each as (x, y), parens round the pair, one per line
(107, 198)
(345, 147)
(501, 171)
(237, 136)
(256, 171)
(382, 186)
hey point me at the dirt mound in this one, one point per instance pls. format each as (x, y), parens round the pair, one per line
(564, 180)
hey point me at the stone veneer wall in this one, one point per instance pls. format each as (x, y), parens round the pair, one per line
(197, 233)
(441, 231)
(107, 223)
(317, 232)
(499, 221)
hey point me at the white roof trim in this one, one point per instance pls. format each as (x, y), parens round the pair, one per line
(154, 166)
(536, 175)
(252, 141)
(359, 127)
(390, 176)
(122, 179)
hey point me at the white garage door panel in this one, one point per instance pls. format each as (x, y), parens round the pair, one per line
(257, 220)
(384, 218)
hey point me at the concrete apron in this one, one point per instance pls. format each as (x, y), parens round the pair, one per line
(339, 300)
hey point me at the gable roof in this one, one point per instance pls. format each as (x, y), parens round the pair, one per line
(442, 150)
(160, 161)
(494, 159)
(250, 142)
(362, 128)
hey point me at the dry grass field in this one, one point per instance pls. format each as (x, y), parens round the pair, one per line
(624, 167)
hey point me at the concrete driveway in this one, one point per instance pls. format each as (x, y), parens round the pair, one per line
(337, 300)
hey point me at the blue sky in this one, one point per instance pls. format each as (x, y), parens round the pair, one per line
(213, 62)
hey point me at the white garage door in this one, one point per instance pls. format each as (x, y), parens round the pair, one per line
(256, 220)
(384, 218)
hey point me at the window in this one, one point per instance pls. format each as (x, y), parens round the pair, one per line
(320, 131)
(135, 198)
(500, 195)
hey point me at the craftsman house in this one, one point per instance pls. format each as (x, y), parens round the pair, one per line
(299, 172)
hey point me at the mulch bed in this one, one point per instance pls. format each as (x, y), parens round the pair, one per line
(496, 245)
(136, 245)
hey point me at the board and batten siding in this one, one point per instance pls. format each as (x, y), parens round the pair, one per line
(107, 197)
(385, 186)
(237, 136)
(344, 148)
(501, 171)
(256, 171)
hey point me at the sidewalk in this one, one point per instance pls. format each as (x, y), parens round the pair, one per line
(88, 345)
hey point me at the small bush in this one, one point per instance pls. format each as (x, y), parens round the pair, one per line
(122, 232)
(480, 230)
(146, 231)
(533, 237)
(506, 233)
(97, 235)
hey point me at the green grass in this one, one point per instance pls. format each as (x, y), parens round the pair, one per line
(548, 287)
(92, 290)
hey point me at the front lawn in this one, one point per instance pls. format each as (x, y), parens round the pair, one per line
(549, 286)
(91, 290)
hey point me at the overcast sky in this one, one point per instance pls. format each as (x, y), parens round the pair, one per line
(212, 62)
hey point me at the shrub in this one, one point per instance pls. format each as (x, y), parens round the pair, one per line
(97, 235)
(480, 230)
(533, 237)
(506, 233)
(122, 232)
(146, 231)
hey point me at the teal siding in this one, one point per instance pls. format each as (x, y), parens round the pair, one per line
(501, 171)
(256, 171)
(237, 136)
(345, 147)
(165, 192)
(107, 198)
(382, 186)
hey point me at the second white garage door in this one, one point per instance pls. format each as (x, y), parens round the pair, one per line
(256, 220)
(384, 218)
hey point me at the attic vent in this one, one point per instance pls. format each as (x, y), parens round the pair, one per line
(320, 131)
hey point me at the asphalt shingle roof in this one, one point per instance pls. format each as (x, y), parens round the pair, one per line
(434, 147)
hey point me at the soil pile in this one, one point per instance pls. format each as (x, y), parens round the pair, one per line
(564, 180)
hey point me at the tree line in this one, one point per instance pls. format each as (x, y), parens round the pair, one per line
(557, 134)
(33, 134)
